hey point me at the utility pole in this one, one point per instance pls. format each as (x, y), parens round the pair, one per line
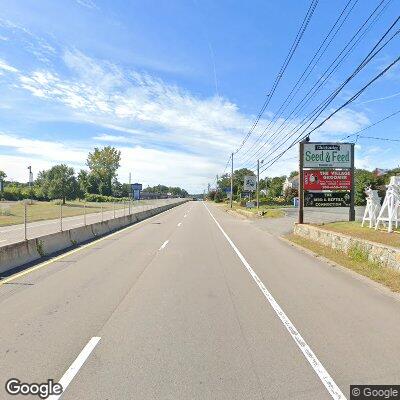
(231, 181)
(30, 175)
(258, 184)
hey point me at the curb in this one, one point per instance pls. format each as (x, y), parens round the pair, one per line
(375, 285)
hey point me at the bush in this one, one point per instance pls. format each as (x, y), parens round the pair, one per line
(99, 198)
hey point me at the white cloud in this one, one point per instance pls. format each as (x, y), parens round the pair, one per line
(345, 121)
(50, 151)
(6, 67)
(172, 132)
(87, 3)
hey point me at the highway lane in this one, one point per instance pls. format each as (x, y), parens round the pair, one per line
(180, 316)
(15, 233)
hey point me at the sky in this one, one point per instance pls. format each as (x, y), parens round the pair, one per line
(176, 85)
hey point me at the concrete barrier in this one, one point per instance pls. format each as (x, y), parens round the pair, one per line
(18, 254)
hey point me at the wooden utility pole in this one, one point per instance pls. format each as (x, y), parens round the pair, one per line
(231, 181)
(258, 184)
(352, 211)
(301, 184)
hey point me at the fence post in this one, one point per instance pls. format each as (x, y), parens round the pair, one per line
(25, 220)
(102, 212)
(84, 213)
(129, 207)
(114, 208)
(61, 217)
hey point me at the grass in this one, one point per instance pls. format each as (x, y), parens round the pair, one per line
(13, 213)
(356, 260)
(268, 211)
(355, 229)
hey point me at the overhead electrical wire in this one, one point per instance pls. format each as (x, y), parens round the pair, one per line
(303, 135)
(319, 109)
(282, 70)
(309, 67)
(326, 74)
(370, 126)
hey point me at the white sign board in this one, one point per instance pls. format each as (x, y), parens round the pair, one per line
(327, 155)
(250, 183)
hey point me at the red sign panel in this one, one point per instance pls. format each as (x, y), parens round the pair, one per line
(327, 180)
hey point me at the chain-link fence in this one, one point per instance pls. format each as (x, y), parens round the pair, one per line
(30, 219)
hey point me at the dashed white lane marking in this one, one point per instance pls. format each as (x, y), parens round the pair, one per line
(163, 245)
(185, 216)
(180, 223)
(319, 369)
(76, 366)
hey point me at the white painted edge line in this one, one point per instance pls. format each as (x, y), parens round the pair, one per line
(180, 223)
(163, 245)
(319, 369)
(76, 366)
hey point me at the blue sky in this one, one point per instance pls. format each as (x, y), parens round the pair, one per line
(175, 85)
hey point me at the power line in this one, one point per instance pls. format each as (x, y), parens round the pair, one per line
(282, 70)
(318, 110)
(378, 138)
(312, 92)
(298, 85)
(354, 97)
(370, 126)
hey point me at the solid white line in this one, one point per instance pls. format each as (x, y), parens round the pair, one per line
(180, 223)
(326, 379)
(163, 245)
(75, 366)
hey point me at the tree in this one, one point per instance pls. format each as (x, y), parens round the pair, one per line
(363, 179)
(59, 182)
(103, 164)
(3, 175)
(275, 186)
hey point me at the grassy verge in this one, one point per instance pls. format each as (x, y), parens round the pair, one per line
(268, 211)
(355, 229)
(13, 213)
(356, 260)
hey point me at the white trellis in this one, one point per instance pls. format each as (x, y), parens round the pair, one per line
(390, 211)
(373, 207)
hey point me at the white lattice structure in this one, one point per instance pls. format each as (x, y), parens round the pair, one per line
(390, 211)
(373, 207)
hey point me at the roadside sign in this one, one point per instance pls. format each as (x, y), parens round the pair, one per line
(136, 188)
(250, 183)
(327, 199)
(327, 155)
(327, 180)
(326, 176)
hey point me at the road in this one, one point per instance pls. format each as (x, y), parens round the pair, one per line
(284, 225)
(16, 233)
(196, 303)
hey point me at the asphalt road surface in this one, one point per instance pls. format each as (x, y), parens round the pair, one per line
(16, 233)
(196, 303)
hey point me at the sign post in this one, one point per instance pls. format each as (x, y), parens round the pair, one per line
(326, 176)
(301, 184)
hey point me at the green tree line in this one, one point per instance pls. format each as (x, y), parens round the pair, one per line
(274, 185)
(98, 183)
